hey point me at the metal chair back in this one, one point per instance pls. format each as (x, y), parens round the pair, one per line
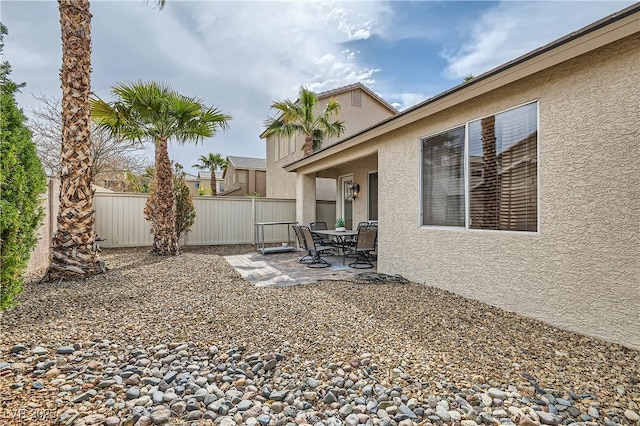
(364, 245)
(314, 249)
(318, 226)
(302, 243)
(366, 240)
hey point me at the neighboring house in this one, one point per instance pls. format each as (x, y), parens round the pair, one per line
(519, 188)
(245, 176)
(193, 182)
(204, 182)
(360, 108)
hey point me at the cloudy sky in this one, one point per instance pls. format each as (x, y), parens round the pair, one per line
(239, 56)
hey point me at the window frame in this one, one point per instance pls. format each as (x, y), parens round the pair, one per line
(466, 173)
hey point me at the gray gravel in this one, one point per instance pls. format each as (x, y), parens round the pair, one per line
(184, 340)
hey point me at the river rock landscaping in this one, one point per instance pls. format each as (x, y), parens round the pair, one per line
(185, 340)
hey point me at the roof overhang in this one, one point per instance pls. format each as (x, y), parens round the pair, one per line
(605, 31)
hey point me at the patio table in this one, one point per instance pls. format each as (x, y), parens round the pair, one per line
(339, 236)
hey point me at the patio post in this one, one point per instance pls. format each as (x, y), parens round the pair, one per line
(305, 198)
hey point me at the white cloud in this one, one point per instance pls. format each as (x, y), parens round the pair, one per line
(239, 56)
(512, 29)
(405, 100)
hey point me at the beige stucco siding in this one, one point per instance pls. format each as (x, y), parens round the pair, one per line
(580, 271)
(282, 184)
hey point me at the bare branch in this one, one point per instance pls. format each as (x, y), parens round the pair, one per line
(112, 159)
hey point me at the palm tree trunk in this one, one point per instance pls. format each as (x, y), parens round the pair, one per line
(160, 209)
(214, 190)
(490, 173)
(74, 251)
(308, 145)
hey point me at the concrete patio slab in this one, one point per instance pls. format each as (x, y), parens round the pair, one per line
(284, 269)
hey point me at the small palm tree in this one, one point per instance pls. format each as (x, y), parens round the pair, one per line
(152, 111)
(212, 162)
(299, 118)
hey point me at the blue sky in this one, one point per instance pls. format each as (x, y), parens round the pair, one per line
(240, 55)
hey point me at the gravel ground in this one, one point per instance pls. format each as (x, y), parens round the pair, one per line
(335, 352)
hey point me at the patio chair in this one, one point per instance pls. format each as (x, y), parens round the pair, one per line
(315, 250)
(323, 240)
(350, 243)
(302, 243)
(365, 244)
(320, 226)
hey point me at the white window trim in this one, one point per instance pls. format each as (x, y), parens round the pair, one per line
(467, 204)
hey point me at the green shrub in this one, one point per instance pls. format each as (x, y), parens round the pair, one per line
(22, 180)
(185, 210)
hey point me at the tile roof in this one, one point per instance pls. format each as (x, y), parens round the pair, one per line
(247, 162)
(207, 175)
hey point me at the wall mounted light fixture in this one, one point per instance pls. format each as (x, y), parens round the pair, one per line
(354, 190)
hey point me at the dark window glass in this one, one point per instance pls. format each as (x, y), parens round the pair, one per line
(443, 179)
(504, 165)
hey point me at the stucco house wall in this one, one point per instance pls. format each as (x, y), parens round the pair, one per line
(203, 181)
(240, 181)
(581, 270)
(282, 184)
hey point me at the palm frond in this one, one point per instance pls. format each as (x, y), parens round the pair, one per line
(153, 110)
(298, 117)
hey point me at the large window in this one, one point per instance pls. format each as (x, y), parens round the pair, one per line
(501, 190)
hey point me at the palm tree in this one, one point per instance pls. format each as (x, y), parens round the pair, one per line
(153, 111)
(298, 118)
(212, 162)
(74, 252)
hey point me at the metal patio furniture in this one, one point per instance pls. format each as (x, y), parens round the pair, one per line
(302, 243)
(315, 250)
(364, 245)
(321, 239)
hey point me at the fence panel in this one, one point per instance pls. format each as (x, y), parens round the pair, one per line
(219, 220)
(120, 219)
(274, 210)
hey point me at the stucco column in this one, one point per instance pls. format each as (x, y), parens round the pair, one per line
(305, 198)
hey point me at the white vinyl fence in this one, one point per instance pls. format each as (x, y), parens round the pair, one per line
(219, 220)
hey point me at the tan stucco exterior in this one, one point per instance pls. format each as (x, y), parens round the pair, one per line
(203, 182)
(282, 184)
(244, 181)
(581, 270)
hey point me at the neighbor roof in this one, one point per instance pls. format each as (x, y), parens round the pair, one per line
(247, 162)
(607, 30)
(207, 175)
(189, 176)
(358, 85)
